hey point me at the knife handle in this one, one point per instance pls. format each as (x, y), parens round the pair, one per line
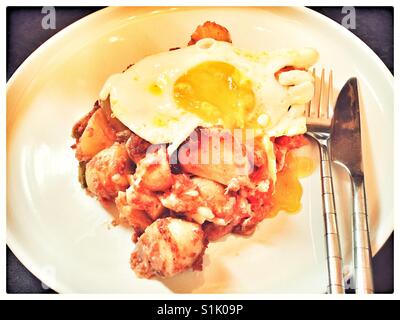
(332, 240)
(361, 243)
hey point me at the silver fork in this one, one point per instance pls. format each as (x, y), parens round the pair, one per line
(319, 113)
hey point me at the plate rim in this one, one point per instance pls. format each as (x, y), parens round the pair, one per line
(13, 244)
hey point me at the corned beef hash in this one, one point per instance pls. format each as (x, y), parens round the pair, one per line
(191, 144)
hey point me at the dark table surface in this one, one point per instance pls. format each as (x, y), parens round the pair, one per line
(24, 34)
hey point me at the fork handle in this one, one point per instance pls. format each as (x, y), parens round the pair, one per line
(332, 240)
(361, 243)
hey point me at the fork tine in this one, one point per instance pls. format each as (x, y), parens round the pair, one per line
(320, 110)
(308, 104)
(331, 105)
(307, 110)
(314, 103)
(322, 93)
(325, 99)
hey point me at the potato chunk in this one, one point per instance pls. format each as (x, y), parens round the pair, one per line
(130, 214)
(168, 247)
(107, 172)
(97, 136)
(145, 200)
(154, 172)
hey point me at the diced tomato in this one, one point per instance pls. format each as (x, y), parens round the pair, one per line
(259, 201)
(291, 142)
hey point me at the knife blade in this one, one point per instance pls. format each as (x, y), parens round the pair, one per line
(346, 129)
(346, 149)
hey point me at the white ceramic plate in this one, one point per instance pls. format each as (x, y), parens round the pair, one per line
(64, 237)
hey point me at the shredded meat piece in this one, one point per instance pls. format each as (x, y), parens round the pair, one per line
(212, 30)
(123, 136)
(136, 147)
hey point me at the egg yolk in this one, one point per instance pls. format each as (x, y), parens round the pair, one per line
(288, 189)
(216, 91)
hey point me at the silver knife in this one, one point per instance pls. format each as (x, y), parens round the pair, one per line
(345, 149)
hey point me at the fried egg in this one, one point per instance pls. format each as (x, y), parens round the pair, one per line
(164, 97)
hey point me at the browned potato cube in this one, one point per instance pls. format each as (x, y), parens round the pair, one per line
(107, 172)
(97, 136)
(155, 171)
(138, 219)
